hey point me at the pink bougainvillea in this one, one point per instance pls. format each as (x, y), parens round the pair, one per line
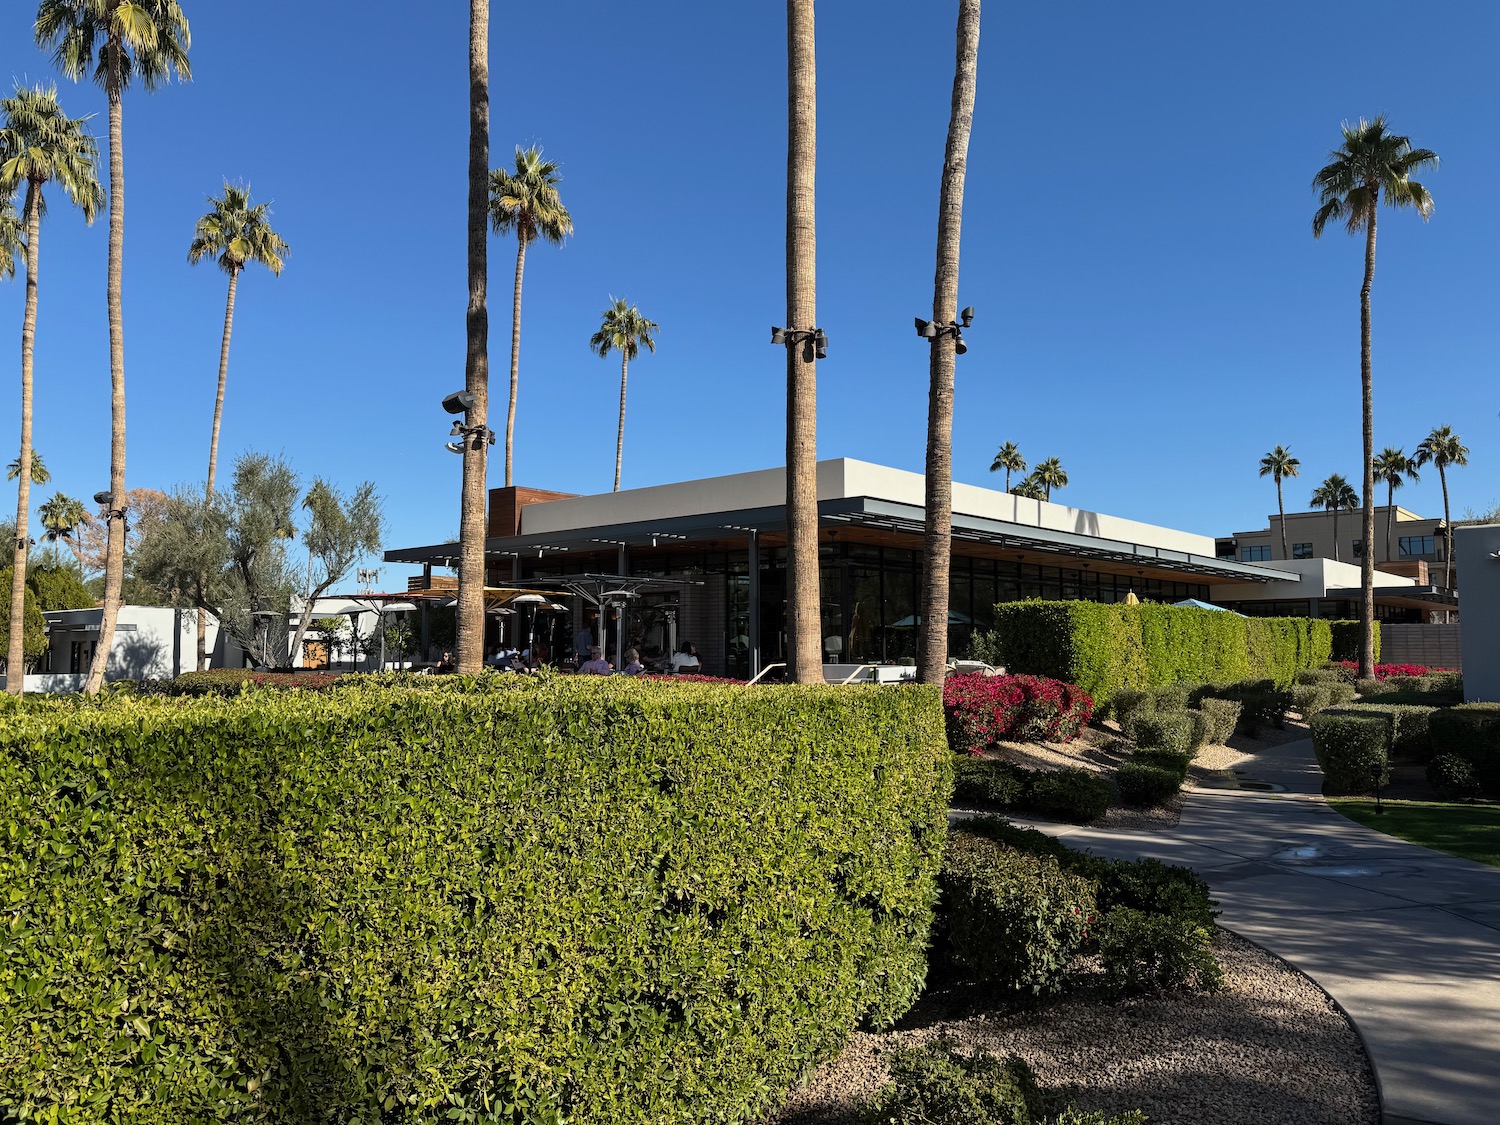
(1384, 670)
(981, 710)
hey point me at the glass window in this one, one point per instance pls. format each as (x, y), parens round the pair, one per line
(1255, 554)
(1418, 547)
(1302, 551)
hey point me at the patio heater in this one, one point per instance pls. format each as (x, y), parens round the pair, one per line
(535, 602)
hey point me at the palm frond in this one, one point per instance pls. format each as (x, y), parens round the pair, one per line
(152, 37)
(41, 144)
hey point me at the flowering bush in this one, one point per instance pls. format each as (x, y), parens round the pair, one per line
(1382, 671)
(982, 710)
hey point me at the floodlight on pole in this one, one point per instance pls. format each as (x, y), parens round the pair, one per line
(814, 341)
(931, 329)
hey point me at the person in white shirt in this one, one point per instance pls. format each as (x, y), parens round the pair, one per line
(685, 659)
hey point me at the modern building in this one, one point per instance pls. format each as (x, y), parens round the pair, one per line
(707, 560)
(1417, 544)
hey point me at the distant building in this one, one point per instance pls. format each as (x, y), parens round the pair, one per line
(1417, 544)
(150, 642)
(722, 540)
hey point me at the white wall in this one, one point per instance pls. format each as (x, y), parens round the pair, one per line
(1318, 576)
(149, 642)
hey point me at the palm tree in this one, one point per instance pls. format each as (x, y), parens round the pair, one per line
(1050, 474)
(1279, 464)
(1334, 495)
(61, 517)
(39, 471)
(1008, 458)
(1369, 161)
(525, 201)
(1443, 448)
(120, 40)
(12, 238)
(1029, 488)
(1392, 467)
(804, 624)
(937, 540)
(235, 232)
(471, 533)
(622, 329)
(39, 144)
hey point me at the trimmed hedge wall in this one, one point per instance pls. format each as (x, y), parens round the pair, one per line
(498, 899)
(1346, 640)
(1106, 648)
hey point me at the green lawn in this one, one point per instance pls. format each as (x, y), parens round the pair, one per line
(1468, 831)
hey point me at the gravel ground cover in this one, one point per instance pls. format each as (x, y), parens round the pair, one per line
(1270, 1049)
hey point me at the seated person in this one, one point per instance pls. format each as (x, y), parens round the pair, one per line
(494, 658)
(633, 665)
(685, 659)
(446, 664)
(595, 665)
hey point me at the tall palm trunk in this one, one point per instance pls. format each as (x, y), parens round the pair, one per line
(213, 448)
(471, 570)
(515, 355)
(804, 609)
(937, 543)
(1286, 552)
(213, 441)
(620, 433)
(1336, 536)
(1447, 533)
(114, 557)
(1366, 379)
(15, 661)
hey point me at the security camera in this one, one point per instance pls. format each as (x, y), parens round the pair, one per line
(104, 497)
(459, 402)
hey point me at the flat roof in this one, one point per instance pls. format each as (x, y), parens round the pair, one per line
(859, 511)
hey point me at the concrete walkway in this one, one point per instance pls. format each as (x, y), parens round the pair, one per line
(1406, 939)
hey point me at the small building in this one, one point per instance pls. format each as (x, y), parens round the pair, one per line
(1417, 544)
(150, 642)
(717, 550)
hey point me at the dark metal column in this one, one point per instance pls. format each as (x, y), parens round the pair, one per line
(753, 630)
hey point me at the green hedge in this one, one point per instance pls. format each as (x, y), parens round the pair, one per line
(1346, 640)
(1471, 731)
(1409, 727)
(1072, 794)
(490, 899)
(1147, 783)
(1107, 648)
(1352, 750)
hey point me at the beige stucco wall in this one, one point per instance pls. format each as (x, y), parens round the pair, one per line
(1317, 528)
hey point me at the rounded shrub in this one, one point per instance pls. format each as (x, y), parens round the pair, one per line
(990, 781)
(1309, 699)
(939, 1085)
(1223, 716)
(1070, 794)
(1011, 920)
(1316, 676)
(1142, 783)
(1352, 750)
(1165, 759)
(1172, 697)
(1452, 778)
(1172, 732)
(1129, 705)
(1142, 952)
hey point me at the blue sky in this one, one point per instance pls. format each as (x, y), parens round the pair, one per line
(1152, 307)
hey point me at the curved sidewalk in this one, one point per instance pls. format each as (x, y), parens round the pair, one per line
(1406, 939)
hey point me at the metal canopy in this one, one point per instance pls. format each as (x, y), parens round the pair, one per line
(854, 511)
(1429, 594)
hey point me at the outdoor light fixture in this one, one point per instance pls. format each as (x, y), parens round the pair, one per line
(931, 330)
(104, 500)
(454, 447)
(459, 402)
(814, 341)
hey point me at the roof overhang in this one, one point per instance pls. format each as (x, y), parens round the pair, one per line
(857, 511)
(1422, 596)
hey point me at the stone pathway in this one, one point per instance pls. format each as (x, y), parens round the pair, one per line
(1405, 939)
